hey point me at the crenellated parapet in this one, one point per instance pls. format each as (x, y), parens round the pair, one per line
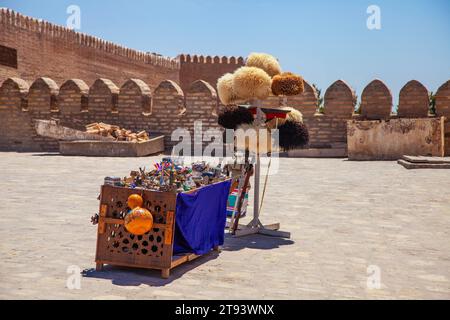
(134, 105)
(376, 101)
(43, 97)
(339, 100)
(443, 110)
(187, 58)
(73, 97)
(413, 100)
(443, 100)
(207, 68)
(135, 98)
(10, 18)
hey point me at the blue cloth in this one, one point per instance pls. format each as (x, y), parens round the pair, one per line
(200, 219)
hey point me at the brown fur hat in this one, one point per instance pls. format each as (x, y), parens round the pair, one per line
(287, 84)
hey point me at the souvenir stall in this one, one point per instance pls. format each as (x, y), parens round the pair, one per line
(161, 218)
(243, 93)
(171, 214)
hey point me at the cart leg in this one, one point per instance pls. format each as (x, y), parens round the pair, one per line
(99, 266)
(217, 249)
(165, 273)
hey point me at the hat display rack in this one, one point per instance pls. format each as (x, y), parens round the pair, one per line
(242, 94)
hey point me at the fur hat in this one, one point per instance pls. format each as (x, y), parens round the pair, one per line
(293, 135)
(225, 89)
(293, 115)
(232, 117)
(251, 83)
(264, 61)
(287, 84)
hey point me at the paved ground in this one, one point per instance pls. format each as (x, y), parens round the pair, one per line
(350, 221)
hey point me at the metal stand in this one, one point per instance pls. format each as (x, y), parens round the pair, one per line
(255, 226)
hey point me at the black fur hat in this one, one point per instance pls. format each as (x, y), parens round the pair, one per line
(293, 135)
(232, 117)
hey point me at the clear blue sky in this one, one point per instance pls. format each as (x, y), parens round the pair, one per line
(323, 40)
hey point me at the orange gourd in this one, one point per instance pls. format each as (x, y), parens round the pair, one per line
(139, 221)
(135, 200)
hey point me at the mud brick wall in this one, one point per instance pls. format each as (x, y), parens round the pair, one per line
(443, 109)
(390, 140)
(206, 68)
(327, 129)
(45, 49)
(17, 133)
(379, 135)
(413, 100)
(376, 101)
(32, 48)
(135, 106)
(80, 79)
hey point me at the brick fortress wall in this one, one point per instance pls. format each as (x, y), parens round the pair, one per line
(47, 50)
(156, 94)
(134, 105)
(206, 67)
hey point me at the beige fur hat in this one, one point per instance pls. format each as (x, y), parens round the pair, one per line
(251, 83)
(293, 115)
(264, 61)
(225, 89)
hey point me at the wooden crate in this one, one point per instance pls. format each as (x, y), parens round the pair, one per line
(153, 250)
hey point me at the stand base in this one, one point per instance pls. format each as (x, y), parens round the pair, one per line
(267, 230)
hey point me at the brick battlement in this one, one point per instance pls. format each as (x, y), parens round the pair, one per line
(135, 106)
(187, 58)
(14, 19)
(46, 49)
(156, 93)
(208, 68)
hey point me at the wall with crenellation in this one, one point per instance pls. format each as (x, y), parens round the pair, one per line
(443, 110)
(135, 106)
(32, 48)
(48, 71)
(206, 68)
(377, 134)
(328, 130)
(46, 49)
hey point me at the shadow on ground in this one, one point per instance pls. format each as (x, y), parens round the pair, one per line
(47, 154)
(254, 242)
(123, 276)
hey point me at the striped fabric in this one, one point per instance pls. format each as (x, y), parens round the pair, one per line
(232, 198)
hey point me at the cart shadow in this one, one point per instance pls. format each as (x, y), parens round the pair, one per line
(47, 154)
(254, 241)
(126, 276)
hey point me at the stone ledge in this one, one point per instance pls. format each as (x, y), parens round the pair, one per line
(317, 153)
(423, 165)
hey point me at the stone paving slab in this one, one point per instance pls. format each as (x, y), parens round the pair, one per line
(347, 219)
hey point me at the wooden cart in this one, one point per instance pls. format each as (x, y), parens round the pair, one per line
(153, 250)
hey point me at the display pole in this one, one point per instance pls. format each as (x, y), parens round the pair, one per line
(255, 226)
(256, 193)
